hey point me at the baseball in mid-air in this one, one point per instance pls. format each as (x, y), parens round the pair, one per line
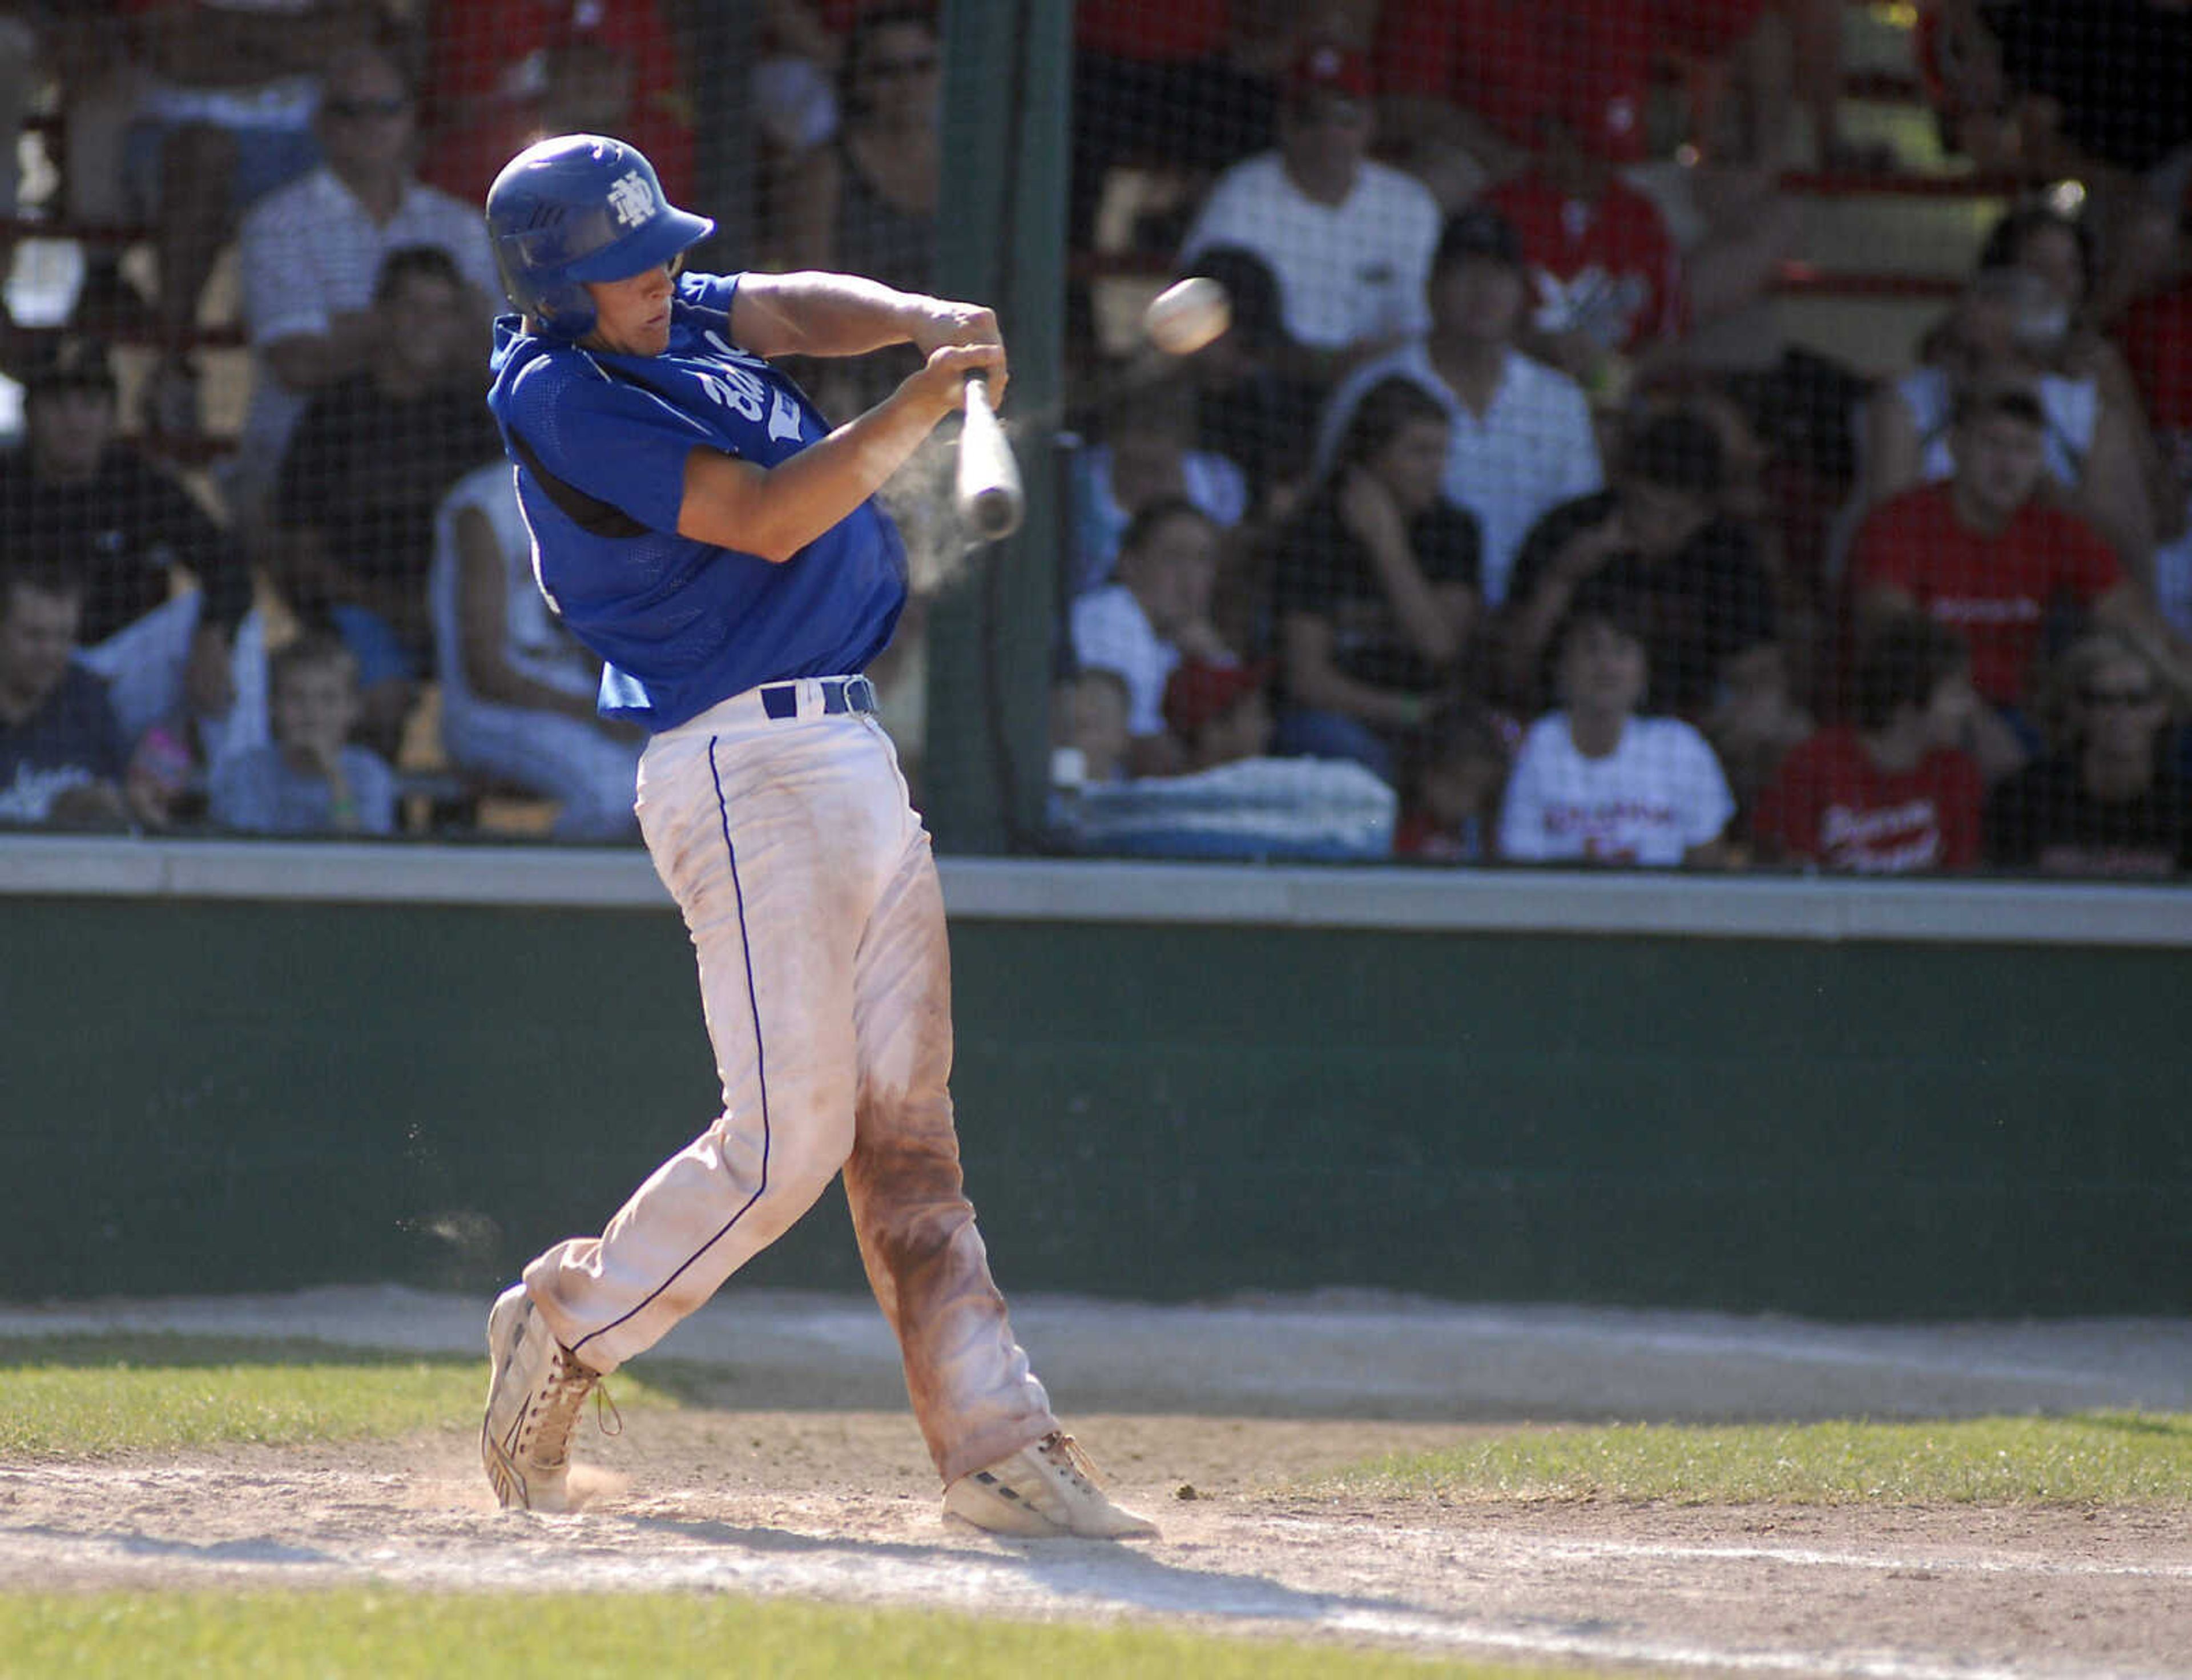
(1187, 315)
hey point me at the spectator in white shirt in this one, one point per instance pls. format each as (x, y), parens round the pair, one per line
(1147, 451)
(1349, 239)
(311, 251)
(1595, 783)
(1522, 440)
(1155, 614)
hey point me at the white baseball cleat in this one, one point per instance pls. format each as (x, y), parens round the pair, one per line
(535, 1389)
(1046, 1489)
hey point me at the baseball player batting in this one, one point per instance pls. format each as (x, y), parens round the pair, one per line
(698, 524)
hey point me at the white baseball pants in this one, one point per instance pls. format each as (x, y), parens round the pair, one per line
(807, 883)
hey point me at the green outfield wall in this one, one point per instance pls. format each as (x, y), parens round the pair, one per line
(265, 1076)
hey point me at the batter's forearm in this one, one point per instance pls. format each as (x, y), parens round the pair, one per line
(813, 313)
(776, 511)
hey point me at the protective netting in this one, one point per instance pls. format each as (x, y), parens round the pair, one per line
(1650, 432)
(1647, 431)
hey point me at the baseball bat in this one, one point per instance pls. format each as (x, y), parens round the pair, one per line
(989, 497)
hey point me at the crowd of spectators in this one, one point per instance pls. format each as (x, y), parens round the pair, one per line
(1581, 575)
(1499, 521)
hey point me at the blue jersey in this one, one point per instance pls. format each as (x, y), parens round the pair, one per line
(600, 442)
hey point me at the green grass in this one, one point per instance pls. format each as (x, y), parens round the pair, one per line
(2100, 1458)
(659, 1636)
(87, 1396)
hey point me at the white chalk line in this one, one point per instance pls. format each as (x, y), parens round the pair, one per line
(1802, 1557)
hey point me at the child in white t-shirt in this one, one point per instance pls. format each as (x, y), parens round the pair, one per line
(1595, 783)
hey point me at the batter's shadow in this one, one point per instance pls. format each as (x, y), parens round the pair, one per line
(1104, 1572)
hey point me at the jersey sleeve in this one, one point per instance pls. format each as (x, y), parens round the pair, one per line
(713, 292)
(619, 442)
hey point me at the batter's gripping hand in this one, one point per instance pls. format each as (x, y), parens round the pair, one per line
(942, 322)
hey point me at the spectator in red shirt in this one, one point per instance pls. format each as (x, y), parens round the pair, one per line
(1983, 556)
(1894, 792)
(503, 73)
(2155, 337)
(1604, 269)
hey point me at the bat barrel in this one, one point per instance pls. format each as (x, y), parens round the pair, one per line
(989, 498)
(992, 513)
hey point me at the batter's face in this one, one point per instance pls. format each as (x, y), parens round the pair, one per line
(631, 316)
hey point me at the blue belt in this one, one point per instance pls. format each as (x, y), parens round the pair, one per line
(840, 695)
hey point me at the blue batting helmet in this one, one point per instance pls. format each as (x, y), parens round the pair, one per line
(580, 208)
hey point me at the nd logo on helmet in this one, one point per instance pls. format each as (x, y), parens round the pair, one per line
(631, 199)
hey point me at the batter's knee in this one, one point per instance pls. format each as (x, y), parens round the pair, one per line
(801, 1150)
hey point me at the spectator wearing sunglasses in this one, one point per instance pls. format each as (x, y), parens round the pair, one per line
(865, 202)
(2109, 800)
(311, 253)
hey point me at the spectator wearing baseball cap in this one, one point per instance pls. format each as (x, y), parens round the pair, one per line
(1219, 714)
(1349, 239)
(1522, 439)
(1157, 613)
(76, 495)
(1605, 272)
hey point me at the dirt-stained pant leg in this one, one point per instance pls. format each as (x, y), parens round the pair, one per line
(972, 1394)
(766, 836)
(807, 886)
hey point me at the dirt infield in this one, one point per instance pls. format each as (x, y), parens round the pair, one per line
(812, 1482)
